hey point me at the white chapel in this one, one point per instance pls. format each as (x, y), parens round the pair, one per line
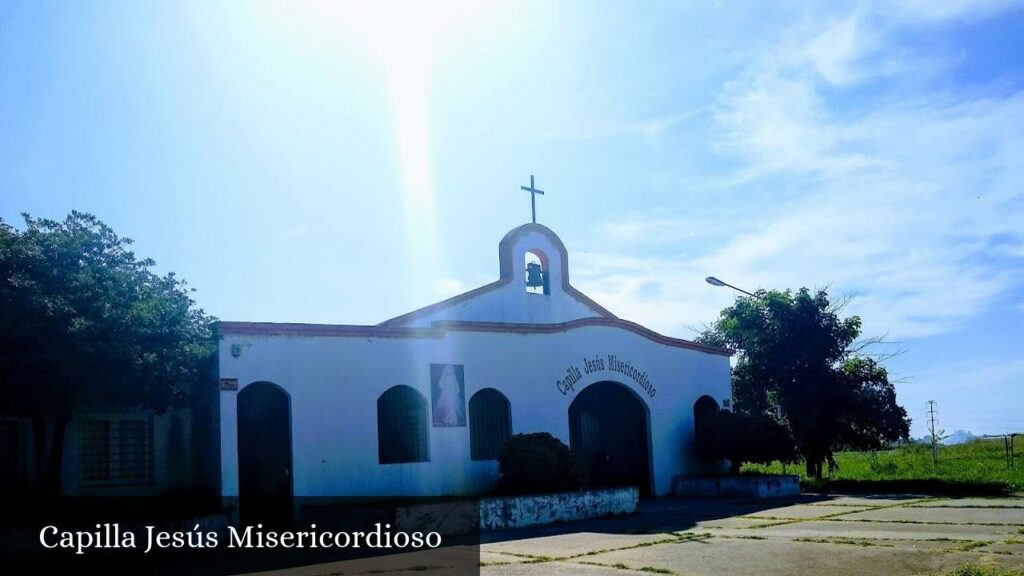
(421, 404)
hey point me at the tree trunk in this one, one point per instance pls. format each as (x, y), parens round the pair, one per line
(55, 465)
(814, 468)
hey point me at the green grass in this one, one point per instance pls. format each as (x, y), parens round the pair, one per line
(975, 467)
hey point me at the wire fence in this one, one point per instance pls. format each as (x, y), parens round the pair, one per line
(1008, 445)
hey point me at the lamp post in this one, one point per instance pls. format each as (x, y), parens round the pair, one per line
(716, 282)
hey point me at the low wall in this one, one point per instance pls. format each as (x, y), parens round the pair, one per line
(521, 511)
(509, 512)
(768, 486)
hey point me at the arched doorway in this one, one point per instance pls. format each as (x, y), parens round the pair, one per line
(609, 430)
(264, 455)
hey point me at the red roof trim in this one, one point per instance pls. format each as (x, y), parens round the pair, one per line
(439, 328)
(343, 330)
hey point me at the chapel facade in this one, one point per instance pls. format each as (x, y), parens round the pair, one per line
(421, 404)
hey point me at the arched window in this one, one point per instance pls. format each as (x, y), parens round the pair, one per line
(537, 272)
(702, 407)
(402, 432)
(490, 424)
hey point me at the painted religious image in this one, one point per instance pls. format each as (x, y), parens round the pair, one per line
(448, 395)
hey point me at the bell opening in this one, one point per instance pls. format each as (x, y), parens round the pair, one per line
(536, 273)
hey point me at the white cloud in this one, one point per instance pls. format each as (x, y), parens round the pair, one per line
(913, 203)
(652, 129)
(972, 374)
(930, 11)
(835, 53)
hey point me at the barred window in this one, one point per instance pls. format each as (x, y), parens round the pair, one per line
(490, 424)
(402, 431)
(117, 451)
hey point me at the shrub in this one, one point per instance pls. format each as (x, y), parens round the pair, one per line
(538, 463)
(739, 438)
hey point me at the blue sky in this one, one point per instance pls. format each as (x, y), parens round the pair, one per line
(339, 163)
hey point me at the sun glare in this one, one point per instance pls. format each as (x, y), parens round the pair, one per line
(405, 41)
(403, 45)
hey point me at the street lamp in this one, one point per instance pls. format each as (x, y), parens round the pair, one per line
(716, 282)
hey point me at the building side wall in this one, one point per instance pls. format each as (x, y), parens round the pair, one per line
(334, 383)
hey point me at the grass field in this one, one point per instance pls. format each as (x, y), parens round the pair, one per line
(978, 466)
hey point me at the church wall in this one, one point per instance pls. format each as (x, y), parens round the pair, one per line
(334, 383)
(510, 302)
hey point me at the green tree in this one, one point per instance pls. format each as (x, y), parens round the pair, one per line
(84, 323)
(795, 352)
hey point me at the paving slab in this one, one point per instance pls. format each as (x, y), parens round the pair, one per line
(487, 557)
(723, 506)
(958, 515)
(447, 561)
(949, 544)
(1003, 548)
(553, 569)
(800, 511)
(573, 544)
(783, 558)
(870, 500)
(855, 529)
(740, 522)
(1004, 502)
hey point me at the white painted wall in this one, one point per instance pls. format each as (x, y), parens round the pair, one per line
(334, 383)
(511, 302)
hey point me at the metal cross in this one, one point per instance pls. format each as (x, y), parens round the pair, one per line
(533, 197)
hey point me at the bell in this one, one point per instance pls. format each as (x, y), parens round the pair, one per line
(534, 275)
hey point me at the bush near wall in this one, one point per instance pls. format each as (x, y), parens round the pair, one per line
(742, 438)
(538, 463)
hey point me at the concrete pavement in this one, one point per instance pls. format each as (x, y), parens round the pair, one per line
(888, 535)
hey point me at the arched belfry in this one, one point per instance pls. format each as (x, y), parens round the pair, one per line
(534, 243)
(533, 288)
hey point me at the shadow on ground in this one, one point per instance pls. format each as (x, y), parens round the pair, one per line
(661, 515)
